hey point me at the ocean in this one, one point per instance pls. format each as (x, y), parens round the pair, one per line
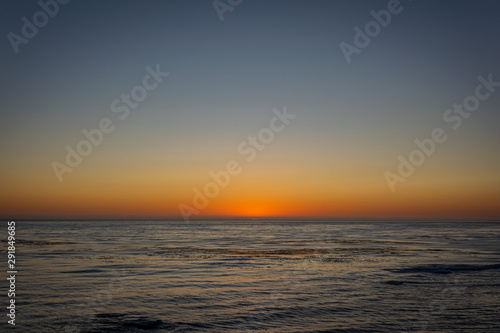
(256, 276)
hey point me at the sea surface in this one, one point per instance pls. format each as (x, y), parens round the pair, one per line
(256, 276)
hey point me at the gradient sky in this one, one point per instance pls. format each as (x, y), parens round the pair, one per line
(353, 120)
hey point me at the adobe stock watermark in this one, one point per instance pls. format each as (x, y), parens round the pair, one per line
(121, 106)
(249, 148)
(450, 293)
(222, 6)
(454, 117)
(98, 303)
(29, 29)
(372, 29)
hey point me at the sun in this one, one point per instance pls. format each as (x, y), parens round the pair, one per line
(257, 211)
(249, 209)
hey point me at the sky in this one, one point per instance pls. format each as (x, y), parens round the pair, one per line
(299, 109)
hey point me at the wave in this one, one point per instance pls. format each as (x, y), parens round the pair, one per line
(116, 322)
(445, 269)
(186, 252)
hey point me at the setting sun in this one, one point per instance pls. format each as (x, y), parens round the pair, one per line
(250, 208)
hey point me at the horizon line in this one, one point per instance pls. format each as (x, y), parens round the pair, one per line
(252, 218)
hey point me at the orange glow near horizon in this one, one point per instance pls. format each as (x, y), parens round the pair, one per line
(254, 193)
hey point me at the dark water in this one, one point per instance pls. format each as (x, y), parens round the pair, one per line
(129, 276)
